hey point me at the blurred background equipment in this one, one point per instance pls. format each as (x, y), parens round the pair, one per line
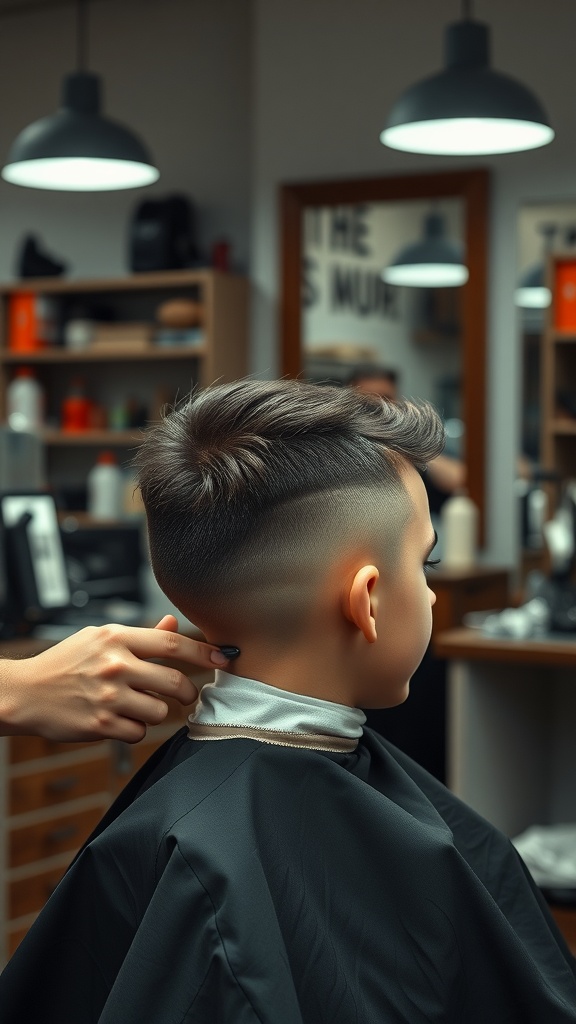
(163, 235)
(34, 261)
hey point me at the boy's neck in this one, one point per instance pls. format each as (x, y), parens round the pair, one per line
(311, 670)
(234, 706)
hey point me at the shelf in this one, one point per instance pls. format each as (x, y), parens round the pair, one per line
(70, 355)
(566, 427)
(464, 644)
(110, 438)
(159, 281)
(563, 337)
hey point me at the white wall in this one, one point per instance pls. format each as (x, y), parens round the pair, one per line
(178, 73)
(326, 72)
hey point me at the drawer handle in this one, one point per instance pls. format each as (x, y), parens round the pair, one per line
(58, 835)
(62, 785)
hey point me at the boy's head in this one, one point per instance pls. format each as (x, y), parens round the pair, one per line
(263, 497)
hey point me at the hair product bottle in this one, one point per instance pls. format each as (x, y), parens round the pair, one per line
(75, 408)
(459, 517)
(25, 401)
(105, 488)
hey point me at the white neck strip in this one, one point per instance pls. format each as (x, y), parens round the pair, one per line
(236, 701)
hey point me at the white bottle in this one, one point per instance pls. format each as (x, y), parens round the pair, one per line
(459, 518)
(105, 488)
(25, 401)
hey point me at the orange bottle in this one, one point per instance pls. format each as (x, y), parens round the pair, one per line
(75, 409)
(31, 322)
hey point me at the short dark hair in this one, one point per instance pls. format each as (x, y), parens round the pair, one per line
(230, 468)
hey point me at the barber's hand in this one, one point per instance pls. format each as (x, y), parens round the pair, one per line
(100, 683)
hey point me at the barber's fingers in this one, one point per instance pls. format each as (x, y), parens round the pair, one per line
(125, 705)
(169, 623)
(163, 680)
(162, 643)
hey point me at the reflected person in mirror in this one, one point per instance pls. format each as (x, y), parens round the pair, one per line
(444, 475)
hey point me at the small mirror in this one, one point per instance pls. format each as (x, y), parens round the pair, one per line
(543, 228)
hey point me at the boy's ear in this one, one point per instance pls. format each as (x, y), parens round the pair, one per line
(360, 603)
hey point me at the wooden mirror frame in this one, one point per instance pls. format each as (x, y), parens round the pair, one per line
(470, 186)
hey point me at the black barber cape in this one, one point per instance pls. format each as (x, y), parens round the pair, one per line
(235, 882)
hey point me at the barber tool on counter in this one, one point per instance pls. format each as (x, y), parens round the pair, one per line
(535, 506)
(552, 604)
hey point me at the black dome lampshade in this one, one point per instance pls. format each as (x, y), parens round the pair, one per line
(77, 148)
(467, 109)
(433, 262)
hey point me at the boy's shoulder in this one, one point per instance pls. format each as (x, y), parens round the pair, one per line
(238, 794)
(187, 782)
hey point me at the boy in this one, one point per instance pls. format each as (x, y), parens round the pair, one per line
(274, 863)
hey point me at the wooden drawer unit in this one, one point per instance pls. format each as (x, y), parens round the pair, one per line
(33, 791)
(52, 795)
(58, 834)
(33, 748)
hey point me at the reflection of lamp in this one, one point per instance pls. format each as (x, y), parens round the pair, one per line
(77, 149)
(531, 291)
(433, 262)
(467, 108)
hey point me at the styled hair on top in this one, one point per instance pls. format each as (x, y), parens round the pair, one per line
(228, 471)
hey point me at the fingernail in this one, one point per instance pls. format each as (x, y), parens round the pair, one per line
(229, 652)
(217, 658)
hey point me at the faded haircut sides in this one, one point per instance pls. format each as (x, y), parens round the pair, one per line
(229, 470)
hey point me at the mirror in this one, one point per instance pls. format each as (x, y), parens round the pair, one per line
(337, 312)
(542, 228)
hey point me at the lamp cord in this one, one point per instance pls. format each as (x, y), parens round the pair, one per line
(467, 14)
(82, 34)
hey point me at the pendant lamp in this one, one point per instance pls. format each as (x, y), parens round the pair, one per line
(77, 149)
(433, 262)
(467, 108)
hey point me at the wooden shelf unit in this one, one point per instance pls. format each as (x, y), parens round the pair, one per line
(558, 375)
(151, 375)
(64, 355)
